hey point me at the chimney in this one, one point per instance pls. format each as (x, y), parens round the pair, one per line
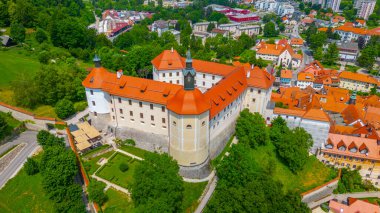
(341, 210)
(172, 50)
(119, 73)
(248, 73)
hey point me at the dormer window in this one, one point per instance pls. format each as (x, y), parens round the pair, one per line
(342, 148)
(329, 146)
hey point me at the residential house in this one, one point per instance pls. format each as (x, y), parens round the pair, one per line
(357, 81)
(286, 77)
(279, 53)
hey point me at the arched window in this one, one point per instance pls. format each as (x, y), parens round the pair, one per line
(188, 126)
(174, 123)
(203, 123)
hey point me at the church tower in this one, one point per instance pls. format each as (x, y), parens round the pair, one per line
(189, 73)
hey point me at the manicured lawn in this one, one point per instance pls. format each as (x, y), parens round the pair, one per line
(191, 195)
(351, 68)
(111, 171)
(135, 151)
(13, 63)
(91, 165)
(24, 193)
(313, 174)
(333, 67)
(117, 202)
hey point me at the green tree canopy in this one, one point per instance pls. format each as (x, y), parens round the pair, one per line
(270, 30)
(17, 32)
(251, 129)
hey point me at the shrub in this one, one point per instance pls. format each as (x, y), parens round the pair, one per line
(123, 167)
(64, 108)
(31, 167)
(80, 106)
(130, 142)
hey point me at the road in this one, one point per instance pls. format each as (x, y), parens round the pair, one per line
(28, 137)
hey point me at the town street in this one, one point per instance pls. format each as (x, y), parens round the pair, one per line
(30, 139)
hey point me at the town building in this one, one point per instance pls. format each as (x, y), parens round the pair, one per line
(351, 32)
(286, 77)
(202, 26)
(348, 50)
(189, 110)
(357, 81)
(353, 205)
(281, 53)
(365, 8)
(160, 26)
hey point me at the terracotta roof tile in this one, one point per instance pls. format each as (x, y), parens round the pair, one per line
(358, 77)
(286, 74)
(188, 102)
(316, 114)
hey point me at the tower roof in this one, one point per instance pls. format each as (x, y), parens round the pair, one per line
(188, 102)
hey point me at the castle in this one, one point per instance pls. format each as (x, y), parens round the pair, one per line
(188, 110)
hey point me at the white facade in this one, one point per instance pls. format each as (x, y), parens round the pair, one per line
(264, 5)
(202, 26)
(365, 8)
(98, 101)
(304, 84)
(256, 99)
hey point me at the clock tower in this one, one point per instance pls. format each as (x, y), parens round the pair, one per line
(189, 73)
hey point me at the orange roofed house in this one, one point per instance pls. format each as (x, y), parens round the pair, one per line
(353, 206)
(357, 81)
(281, 53)
(189, 109)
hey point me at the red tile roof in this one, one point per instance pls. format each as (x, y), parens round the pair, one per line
(354, 206)
(171, 60)
(358, 77)
(360, 143)
(259, 78)
(130, 87)
(226, 91)
(316, 114)
(188, 102)
(286, 74)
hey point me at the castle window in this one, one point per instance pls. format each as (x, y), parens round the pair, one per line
(141, 115)
(152, 118)
(177, 81)
(204, 75)
(113, 117)
(111, 101)
(171, 81)
(130, 113)
(174, 123)
(92, 92)
(213, 77)
(259, 91)
(204, 83)
(253, 100)
(95, 113)
(163, 74)
(177, 73)
(188, 126)
(112, 109)
(140, 103)
(163, 120)
(93, 103)
(130, 102)
(151, 106)
(170, 74)
(119, 100)
(121, 111)
(251, 89)
(203, 123)
(163, 109)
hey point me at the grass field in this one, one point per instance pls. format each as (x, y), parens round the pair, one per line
(313, 174)
(135, 151)
(112, 172)
(91, 166)
(24, 193)
(117, 202)
(14, 63)
(191, 195)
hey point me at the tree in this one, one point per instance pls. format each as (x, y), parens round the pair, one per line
(361, 42)
(318, 54)
(64, 108)
(41, 35)
(96, 192)
(317, 40)
(157, 185)
(4, 127)
(270, 30)
(331, 55)
(17, 32)
(31, 167)
(367, 57)
(210, 27)
(251, 129)
(291, 145)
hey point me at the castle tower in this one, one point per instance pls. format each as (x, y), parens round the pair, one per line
(189, 126)
(98, 101)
